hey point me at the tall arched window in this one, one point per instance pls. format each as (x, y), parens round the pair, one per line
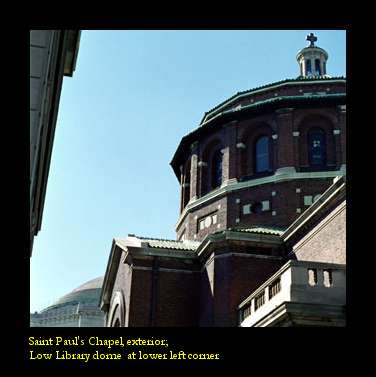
(317, 67)
(216, 168)
(308, 67)
(316, 147)
(262, 155)
(187, 183)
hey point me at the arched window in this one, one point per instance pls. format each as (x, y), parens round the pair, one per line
(216, 168)
(262, 155)
(316, 147)
(317, 67)
(308, 67)
(186, 183)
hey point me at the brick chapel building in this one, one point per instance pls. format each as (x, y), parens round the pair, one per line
(261, 236)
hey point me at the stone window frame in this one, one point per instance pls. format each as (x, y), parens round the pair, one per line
(255, 153)
(205, 176)
(250, 134)
(186, 189)
(202, 219)
(216, 159)
(306, 122)
(316, 130)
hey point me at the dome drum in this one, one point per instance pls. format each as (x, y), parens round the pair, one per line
(234, 156)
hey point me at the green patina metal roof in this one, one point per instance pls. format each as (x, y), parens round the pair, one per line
(299, 79)
(284, 98)
(260, 230)
(170, 244)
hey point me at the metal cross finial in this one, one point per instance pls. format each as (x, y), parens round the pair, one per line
(312, 39)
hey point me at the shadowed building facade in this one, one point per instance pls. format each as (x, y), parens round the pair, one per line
(53, 55)
(262, 182)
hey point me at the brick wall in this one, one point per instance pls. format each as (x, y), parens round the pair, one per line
(177, 298)
(229, 279)
(326, 242)
(159, 292)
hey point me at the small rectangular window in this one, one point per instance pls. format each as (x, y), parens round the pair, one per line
(246, 209)
(308, 200)
(328, 278)
(265, 205)
(202, 224)
(312, 277)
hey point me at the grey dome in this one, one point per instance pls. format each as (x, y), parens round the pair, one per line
(91, 284)
(78, 308)
(87, 293)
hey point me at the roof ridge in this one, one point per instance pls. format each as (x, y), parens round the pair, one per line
(162, 239)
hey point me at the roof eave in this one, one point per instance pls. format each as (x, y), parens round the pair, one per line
(231, 235)
(73, 43)
(298, 81)
(109, 281)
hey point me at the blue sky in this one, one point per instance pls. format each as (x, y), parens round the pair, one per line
(132, 98)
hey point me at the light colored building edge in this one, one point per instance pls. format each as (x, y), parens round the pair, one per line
(297, 300)
(63, 50)
(123, 249)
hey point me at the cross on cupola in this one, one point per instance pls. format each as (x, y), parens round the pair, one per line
(312, 59)
(312, 39)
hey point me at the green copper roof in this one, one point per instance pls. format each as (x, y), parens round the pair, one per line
(249, 91)
(170, 244)
(284, 98)
(259, 230)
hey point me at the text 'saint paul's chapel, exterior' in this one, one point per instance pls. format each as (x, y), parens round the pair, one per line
(261, 236)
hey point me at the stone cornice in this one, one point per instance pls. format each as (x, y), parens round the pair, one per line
(227, 235)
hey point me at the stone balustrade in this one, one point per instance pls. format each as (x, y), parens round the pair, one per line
(299, 282)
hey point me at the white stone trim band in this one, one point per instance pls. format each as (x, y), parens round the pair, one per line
(281, 175)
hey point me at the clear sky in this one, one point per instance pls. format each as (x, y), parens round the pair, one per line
(132, 98)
